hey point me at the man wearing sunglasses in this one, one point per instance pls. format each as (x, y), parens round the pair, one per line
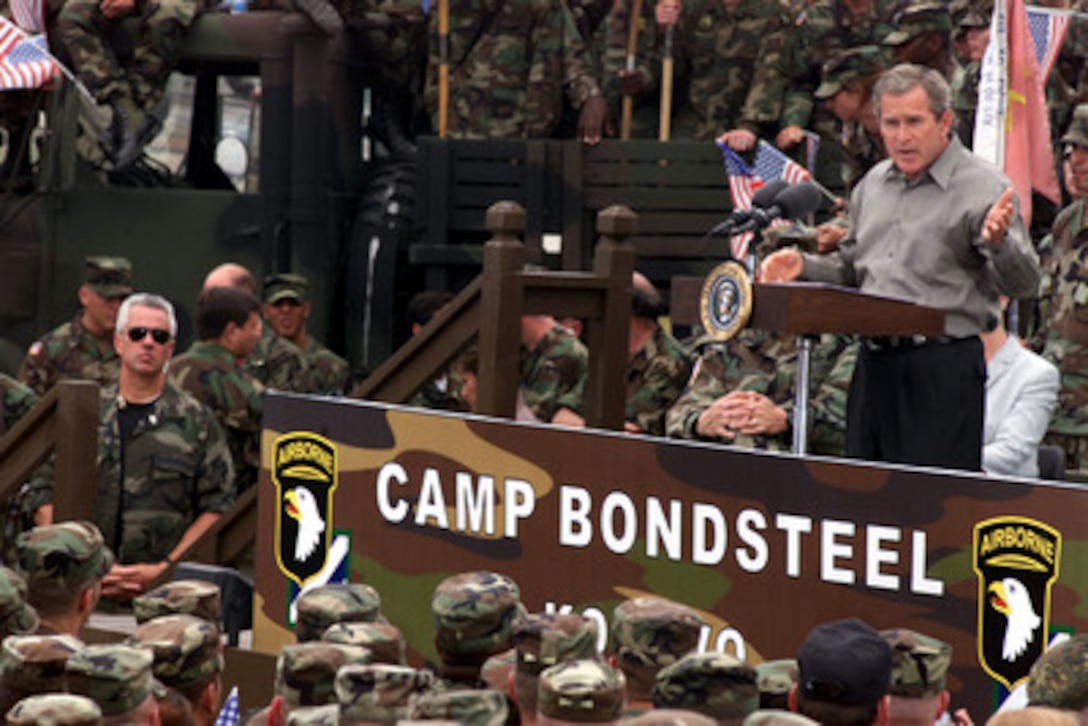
(83, 347)
(164, 469)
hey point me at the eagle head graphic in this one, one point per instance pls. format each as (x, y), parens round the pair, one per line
(301, 505)
(1010, 598)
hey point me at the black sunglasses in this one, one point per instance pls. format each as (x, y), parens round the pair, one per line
(160, 336)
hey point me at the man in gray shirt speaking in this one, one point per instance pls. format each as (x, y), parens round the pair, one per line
(938, 226)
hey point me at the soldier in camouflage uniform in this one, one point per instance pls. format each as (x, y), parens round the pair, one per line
(923, 35)
(64, 565)
(378, 693)
(345, 602)
(16, 399)
(554, 369)
(1059, 678)
(179, 597)
(188, 657)
(442, 392)
(55, 709)
(286, 309)
(713, 684)
(658, 367)
(228, 326)
(384, 641)
(34, 664)
(581, 691)
(118, 678)
(306, 674)
(509, 63)
(275, 361)
(918, 692)
(474, 616)
(16, 615)
(1062, 337)
(742, 392)
(650, 633)
(844, 673)
(83, 347)
(542, 640)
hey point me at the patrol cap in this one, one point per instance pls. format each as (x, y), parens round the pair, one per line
(847, 65)
(1059, 678)
(58, 559)
(715, 684)
(180, 597)
(1077, 133)
(55, 709)
(306, 672)
(31, 664)
(585, 691)
(844, 662)
(653, 632)
(109, 276)
(671, 717)
(473, 706)
(774, 678)
(116, 677)
(378, 692)
(384, 641)
(285, 286)
(919, 663)
(916, 19)
(338, 603)
(544, 639)
(314, 716)
(16, 617)
(187, 649)
(474, 614)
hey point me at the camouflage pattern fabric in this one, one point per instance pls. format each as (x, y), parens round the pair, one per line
(774, 678)
(55, 709)
(474, 614)
(314, 716)
(279, 364)
(645, 115)
(306, 672)
(18, 399)
(919, 663)
(717, 52)
(59, 560)
(861, 151)
(1062, 337)
(69, 351)
(509, 63)
(542, 640)
(650, 633)
(1059, 678)
(175, 467)
(116, 677)
(440, 394)
(208, 372)
(713, 684)
(338, 603)
(378, 692)
(329, 372)
(395, 38)
(163, 25)
(180, 597)
(384, 641)
(581, 690)
(35, 664)
(187, 649)
(554, 373)
(475, 707)
(16, 617)
(109, 276)
(656, 376)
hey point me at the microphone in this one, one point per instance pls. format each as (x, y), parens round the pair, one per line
(764, 197)
(791, 203)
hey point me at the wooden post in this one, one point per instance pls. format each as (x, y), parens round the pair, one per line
(614, 261)
(75, 486)
(502, 300)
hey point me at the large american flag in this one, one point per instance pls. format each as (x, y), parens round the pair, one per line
(768, 165)
(1047, 28)
(24, 61)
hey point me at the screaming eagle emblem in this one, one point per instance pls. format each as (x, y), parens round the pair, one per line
(304, 472)
(1017, 561)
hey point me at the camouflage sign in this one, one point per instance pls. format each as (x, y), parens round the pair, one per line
(1016, 559)
(304, 474)
(761, 546)
(726, 300)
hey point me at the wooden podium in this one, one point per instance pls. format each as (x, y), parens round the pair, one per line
(810, 308)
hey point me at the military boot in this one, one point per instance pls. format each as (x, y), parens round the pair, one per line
(387, 124)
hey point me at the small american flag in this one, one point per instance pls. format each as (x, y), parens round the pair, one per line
(230, 712)
(770, 164)
(1047, 28)
(742, 185)
(24, 61)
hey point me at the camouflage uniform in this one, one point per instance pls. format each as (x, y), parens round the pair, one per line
(16, 400)
(717, 52)
(187, 650)
(116, 677)
(509, 62)
(175, 467)
(474, 614)
(330, 373)
(378, 692)
(278, 363)
(61, 560)
(713, 684)
(542, 640)
(306, 672)
(34, 664)
(474, 707)
(325, 372)
(1059, 678)
(16, 617)
(440, 394)
(919, 663)
(648, 634)
(553, 374)
(774, 678)
(645, 114)
(209, 373)
(347, 602)
(587, 690)
(314, 716)
(766, 364)
(179, 597)
(656, 376)
(55, 709)
(384, 641)
(70, 351)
